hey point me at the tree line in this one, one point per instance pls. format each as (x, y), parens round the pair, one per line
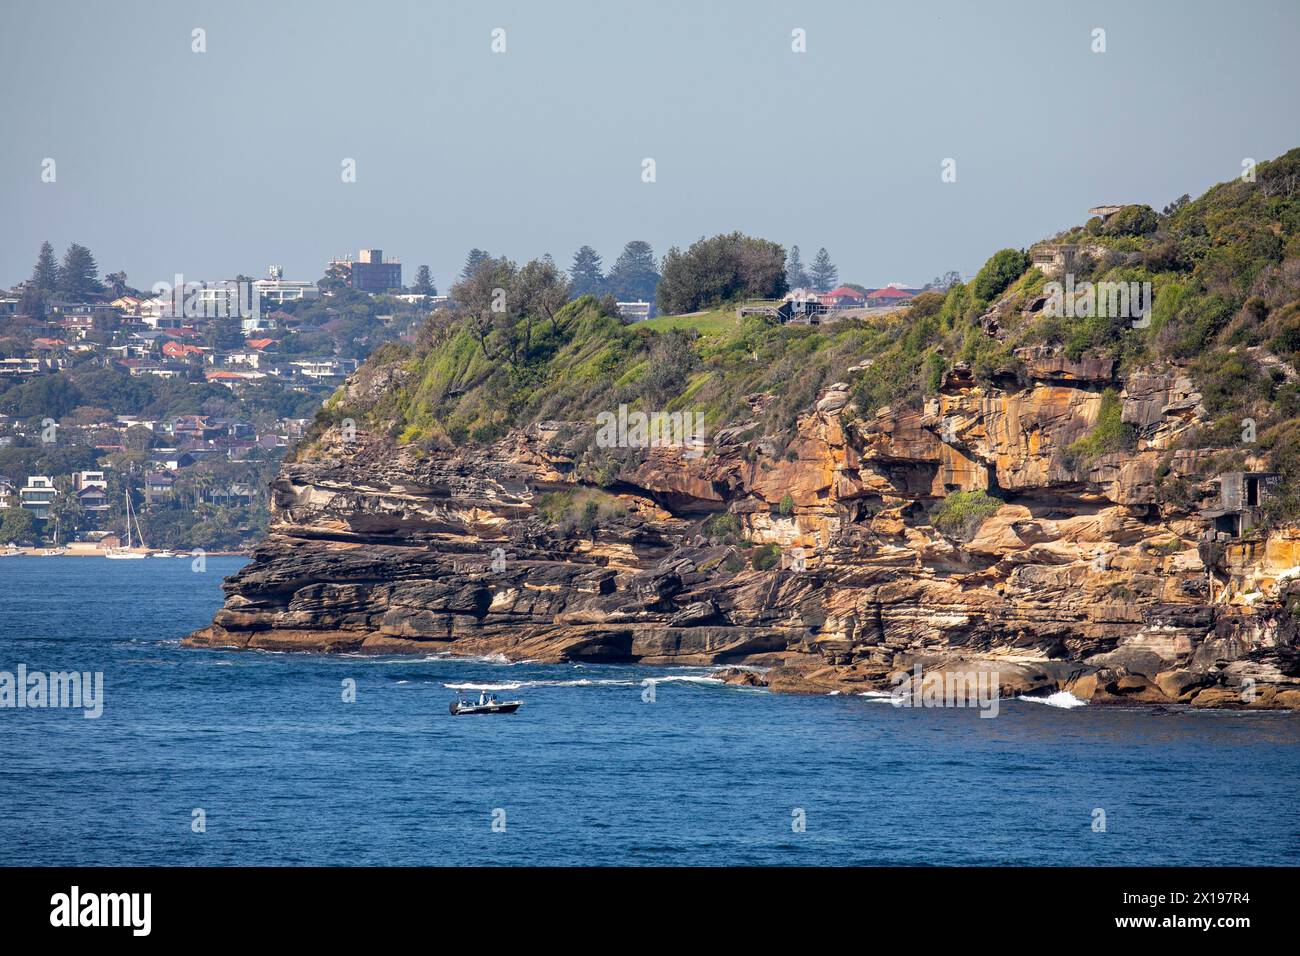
(74, 279)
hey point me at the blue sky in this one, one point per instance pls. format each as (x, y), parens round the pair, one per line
(226, 161)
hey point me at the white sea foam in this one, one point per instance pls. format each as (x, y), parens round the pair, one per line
(516, 685)
(1062, 698)
(683, 678)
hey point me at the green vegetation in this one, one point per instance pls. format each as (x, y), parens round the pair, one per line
(1110, 434)
(961, 513)
(18, 526)
(715, 322)
(765, 558)
(587, 361)
(722, 527)
(1224, 273)
(581, 509)
(721, 269)
(1003, 268)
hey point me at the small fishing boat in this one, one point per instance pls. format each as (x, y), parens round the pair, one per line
(12, 551)
(487, 704)
(163, 554)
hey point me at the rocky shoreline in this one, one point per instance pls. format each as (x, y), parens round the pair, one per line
(1087, 579)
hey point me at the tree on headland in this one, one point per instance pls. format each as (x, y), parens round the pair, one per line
(717, 270)
(337, 278)
(79, 274)
(117, 284)
(503, 303)
(45, 276)
(424, 282)
(796, 276)
(475, 259)
(944, 282)
(635, 274)
(823, 273)
(585, 274)
(1003, 268)
(41, 286)
(542, 290)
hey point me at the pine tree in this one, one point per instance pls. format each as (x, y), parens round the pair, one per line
(795, 274)
(79, 275)
(635, 275)
(424, 282)
(41, 286)
(823, 273)
(585, 274)
(45, 276)
(475, 259)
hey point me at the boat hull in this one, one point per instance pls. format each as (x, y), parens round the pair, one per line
(508, 707)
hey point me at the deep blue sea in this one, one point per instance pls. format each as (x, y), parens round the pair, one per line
(587, 772)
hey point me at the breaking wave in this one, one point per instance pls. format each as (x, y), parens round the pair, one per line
(1062, 698)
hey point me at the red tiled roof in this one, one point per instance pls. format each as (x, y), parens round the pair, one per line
(844, 292)
(177, 350)
(889, 292)
(259, 344)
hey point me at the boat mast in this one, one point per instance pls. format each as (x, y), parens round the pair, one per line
(139, 531)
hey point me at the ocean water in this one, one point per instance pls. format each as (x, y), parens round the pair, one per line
(587, 772)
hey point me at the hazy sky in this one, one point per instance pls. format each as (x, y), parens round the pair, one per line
(223, 162)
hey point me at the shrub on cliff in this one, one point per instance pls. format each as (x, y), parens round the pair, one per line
(717, 270)
(724, 528)
(962, 512)
(1110, 434)
(1136, 220)
(1004, 267)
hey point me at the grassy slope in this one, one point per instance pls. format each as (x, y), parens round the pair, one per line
(1225, 270)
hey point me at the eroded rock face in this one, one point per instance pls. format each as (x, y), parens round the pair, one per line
(1087, 580)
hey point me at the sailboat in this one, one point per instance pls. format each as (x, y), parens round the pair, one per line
(125, 553)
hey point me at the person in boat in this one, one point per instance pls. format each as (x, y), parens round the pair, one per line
(482, 698)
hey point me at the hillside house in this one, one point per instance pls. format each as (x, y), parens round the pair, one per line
(843, 297)
(89, 479)
(158, 486)
(93, 499)
(887, 297)
(38, 495)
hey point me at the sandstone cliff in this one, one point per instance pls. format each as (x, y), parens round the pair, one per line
(1090, 577)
